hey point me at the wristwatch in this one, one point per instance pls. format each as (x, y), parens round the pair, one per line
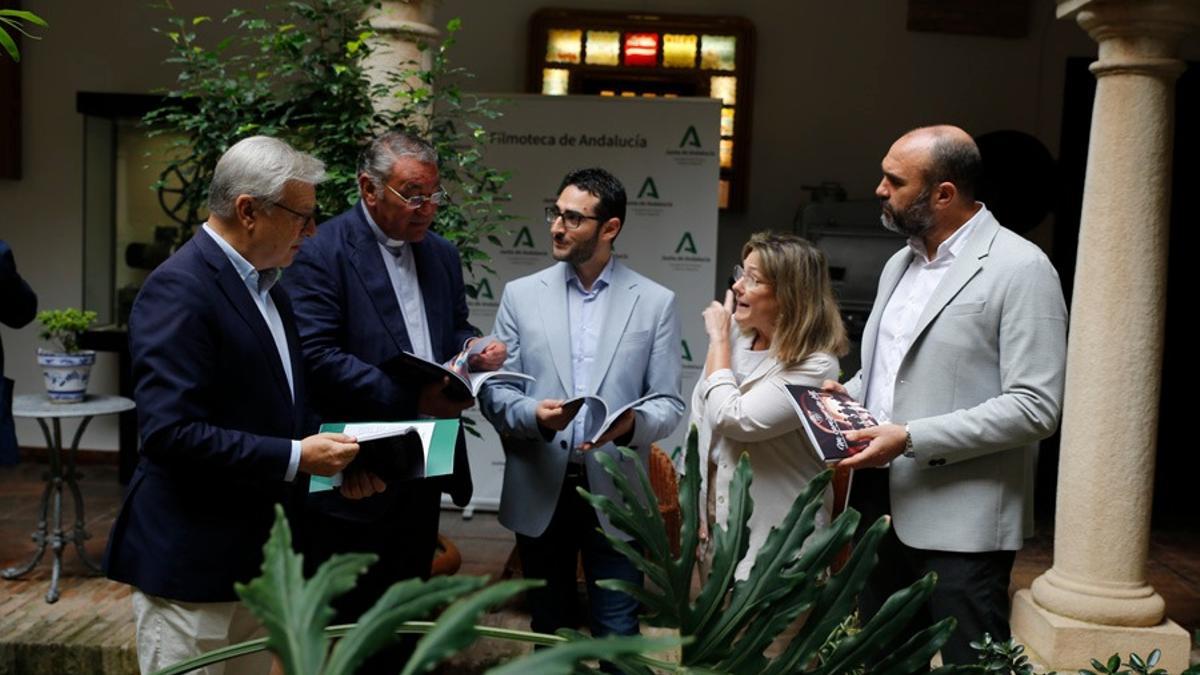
(909, 452)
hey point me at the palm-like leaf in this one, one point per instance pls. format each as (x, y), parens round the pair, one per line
(730, 623)
(404, 601)
(455, 629)
(295, 611)
(565, 658)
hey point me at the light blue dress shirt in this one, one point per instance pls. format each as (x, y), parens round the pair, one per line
(585, 316)
(259, 287)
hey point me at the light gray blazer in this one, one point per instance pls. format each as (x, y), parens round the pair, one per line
(639, 353)
(980, 385)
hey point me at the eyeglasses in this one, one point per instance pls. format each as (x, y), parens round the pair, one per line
(417, 201)
(748, 282)
(572, 219)
(315, 216)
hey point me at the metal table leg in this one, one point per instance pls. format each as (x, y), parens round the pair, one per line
(59, 473)
(39, 534)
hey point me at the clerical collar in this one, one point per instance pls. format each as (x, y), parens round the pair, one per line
(393, 245)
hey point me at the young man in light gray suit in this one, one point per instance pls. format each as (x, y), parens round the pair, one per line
(587, 325)
(962, 362)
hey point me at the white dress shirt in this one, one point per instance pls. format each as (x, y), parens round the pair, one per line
(259, 287)
(402, 270)
(904, 308)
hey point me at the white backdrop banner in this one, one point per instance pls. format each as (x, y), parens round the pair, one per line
(664, 151)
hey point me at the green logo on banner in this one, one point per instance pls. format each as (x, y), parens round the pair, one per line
(690, 137)
(686, 244)
(484, 290)
(687, 353)
(648, 188)
(524, 238)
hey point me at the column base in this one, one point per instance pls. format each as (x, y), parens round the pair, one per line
(1060, 643)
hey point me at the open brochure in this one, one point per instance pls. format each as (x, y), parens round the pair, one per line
(464, 383)
(396, 451)
(827, 416)
(599, 419)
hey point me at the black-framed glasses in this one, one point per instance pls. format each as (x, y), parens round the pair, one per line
(572, 219)
(417, 201)
(748, 282)
(315, 216)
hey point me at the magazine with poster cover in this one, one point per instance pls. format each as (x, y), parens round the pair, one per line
(464, 383)
(396, 451)
(826, 416)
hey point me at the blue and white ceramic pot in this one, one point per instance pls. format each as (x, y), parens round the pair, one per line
(66, 374)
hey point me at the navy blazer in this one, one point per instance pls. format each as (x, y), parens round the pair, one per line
(350, 322)
(18, 305)
(216, 420)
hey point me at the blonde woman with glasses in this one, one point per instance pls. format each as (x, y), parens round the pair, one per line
(778, 325)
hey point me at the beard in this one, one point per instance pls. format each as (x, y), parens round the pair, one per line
(913, 221)
(580, 252)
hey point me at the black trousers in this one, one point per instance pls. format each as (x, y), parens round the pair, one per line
(971, 587)
(573, 530)
(405, 539)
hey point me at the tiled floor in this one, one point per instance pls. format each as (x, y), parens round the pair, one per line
(95, 613)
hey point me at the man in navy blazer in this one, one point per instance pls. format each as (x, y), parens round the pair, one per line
(372, 283)
(220, 391)
(18, 304)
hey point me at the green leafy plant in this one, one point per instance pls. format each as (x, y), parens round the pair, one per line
(11, 19)
(298, 71)
(729, 624)
(297, 611)
(1002, 656)
(64, 326)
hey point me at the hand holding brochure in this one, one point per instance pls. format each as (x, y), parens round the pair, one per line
(396, 451)
(464, 383)
(827, 416)
(599, 420)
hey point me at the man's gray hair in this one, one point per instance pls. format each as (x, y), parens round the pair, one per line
(381, 154)
(259, 166)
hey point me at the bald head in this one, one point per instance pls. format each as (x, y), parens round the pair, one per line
(945, 154)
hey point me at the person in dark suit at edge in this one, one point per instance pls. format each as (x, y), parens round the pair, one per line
(220, 390)
(373, 282)
(18, 305)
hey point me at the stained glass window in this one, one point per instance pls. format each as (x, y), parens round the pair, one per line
(555, 81)
(725, 88)
(564, 46)
(641, 49)
(603, 48)
(716, 52)
(726, 121)
(679, 51)
(726, 153)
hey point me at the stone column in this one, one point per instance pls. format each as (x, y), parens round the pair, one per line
(1095, 601)
(402, 25)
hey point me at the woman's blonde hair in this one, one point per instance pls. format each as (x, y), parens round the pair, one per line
(808, 320)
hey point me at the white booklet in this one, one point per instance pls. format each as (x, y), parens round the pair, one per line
(598, 417)
(396, 451)
(464, 383)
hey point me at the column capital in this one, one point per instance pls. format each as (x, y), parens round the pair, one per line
(409, 19)
(1135, 36)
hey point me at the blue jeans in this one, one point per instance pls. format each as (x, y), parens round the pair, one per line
(552, 556)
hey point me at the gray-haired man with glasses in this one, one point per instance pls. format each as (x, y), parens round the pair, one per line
(373, 282)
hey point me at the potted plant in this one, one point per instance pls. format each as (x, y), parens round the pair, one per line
(66, 371)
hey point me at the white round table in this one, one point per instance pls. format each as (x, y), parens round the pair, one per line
(37, 406)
